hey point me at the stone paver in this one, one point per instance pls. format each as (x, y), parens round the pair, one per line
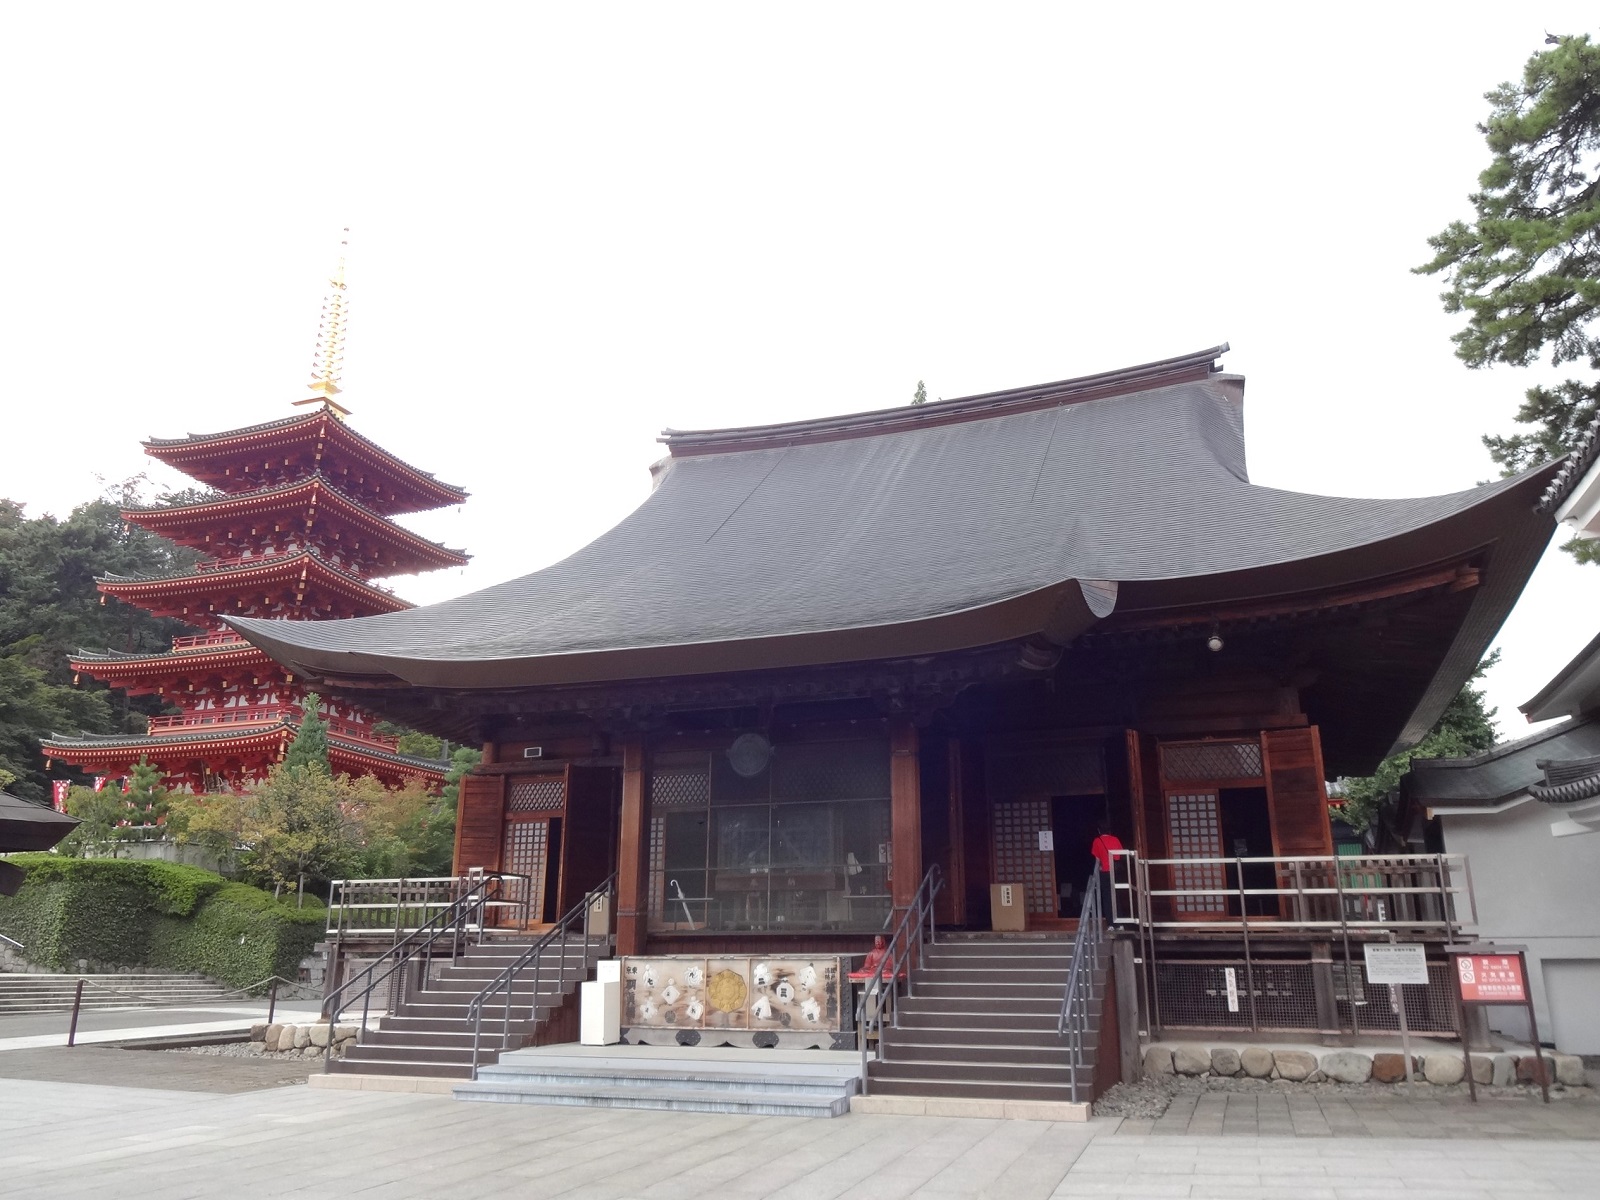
(60, 1140)
(1575, 1115)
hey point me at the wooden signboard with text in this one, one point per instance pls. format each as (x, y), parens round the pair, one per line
(1494, 978)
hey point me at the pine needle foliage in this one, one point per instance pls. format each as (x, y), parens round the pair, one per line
(1526, 270)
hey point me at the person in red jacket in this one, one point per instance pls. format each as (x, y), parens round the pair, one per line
(1104, 845)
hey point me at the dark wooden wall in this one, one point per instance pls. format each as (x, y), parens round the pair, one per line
(480, 822)
(1296, 793)
(589, 840)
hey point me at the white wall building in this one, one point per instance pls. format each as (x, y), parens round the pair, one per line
(1521, 814)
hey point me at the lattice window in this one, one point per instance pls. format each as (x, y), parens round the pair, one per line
(543, 794)
(831, 771)
(658, 866)
(1194, 826)
(680, 789)
(527, 846)
(1050, 771)
(1212, 760)
(1017, 857)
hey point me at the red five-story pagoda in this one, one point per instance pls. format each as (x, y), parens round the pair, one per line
(298, 524)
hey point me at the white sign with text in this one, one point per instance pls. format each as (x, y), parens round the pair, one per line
(1396, 963)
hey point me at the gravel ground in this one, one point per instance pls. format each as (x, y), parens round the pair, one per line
(1149, 1098)
(250, 1050)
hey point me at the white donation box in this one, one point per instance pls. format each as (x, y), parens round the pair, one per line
(600, 1005)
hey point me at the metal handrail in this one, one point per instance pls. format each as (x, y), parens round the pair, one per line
(506, 980)
(402, 895)
(12, 942)
(1073, 1023)
(1388, 891)
(902, 954)
(453, 923)
(271, 982)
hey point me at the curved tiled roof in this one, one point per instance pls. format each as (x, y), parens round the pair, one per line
(935, 522)
(91, 741)
(226, 570)
(1568, 781)
(222, 503)
(177, 450)
(1573, 468)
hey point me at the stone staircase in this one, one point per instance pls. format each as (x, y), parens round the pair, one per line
(429, 1033)
(982, 1025)
(39, 993)
(756, 1083)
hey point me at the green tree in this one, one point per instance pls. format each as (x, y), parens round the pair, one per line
(300, 824)
(462, 760)
(411, 741)
(310, 745)
(147, 797)
(215, 820)
(921, 394)
(50, 607)
(1526, 270)
(1466, 727)
(100, 815)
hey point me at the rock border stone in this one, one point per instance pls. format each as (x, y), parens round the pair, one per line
(301, 1041)
(1444, 1068)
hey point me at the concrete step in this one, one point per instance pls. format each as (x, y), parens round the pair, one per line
(983, 1070)
(353, 1064)
(1042, 1019)
(675, 1099)
(990, 1053)
(891, 1085)
(641, 1078)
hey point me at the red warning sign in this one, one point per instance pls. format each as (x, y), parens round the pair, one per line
(1491, 979)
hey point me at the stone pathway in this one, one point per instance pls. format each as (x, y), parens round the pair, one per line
(1230, 1114)
(62, 1141)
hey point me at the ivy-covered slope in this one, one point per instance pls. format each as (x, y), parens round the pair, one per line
(117, 912)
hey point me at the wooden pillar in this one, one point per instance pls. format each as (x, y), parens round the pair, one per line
(956, 884)
(905, 812)
(633, 850)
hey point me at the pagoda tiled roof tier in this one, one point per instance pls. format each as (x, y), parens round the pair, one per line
(116, 754)
(230, 662)
(302, 584)
(310, 509)
(275, 451)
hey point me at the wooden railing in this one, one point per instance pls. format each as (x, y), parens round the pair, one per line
(205, 641)
(262, 716)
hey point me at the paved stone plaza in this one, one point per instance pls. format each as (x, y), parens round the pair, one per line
(62, 1139)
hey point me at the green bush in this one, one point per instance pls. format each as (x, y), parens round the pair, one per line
(121, 912)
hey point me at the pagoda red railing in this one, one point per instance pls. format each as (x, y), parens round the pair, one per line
(205, 641)
(265, 715)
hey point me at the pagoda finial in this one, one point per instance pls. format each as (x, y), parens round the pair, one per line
(325, 369)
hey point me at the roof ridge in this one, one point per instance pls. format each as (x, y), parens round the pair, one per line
(1582, 455)
(1502, 749)
(1121, 381)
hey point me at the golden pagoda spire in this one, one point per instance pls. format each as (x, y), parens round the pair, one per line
(325, 369)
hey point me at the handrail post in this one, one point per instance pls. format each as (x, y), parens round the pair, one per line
(1244, 929)
(77, 1003)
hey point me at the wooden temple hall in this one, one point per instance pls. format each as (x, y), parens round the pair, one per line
(832, 668)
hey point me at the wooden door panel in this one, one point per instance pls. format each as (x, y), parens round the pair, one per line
(480, 816)
(1296, 793)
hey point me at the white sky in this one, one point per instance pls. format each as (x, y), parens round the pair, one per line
(574, 225)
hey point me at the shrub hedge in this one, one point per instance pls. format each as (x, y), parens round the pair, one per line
(121, 912)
